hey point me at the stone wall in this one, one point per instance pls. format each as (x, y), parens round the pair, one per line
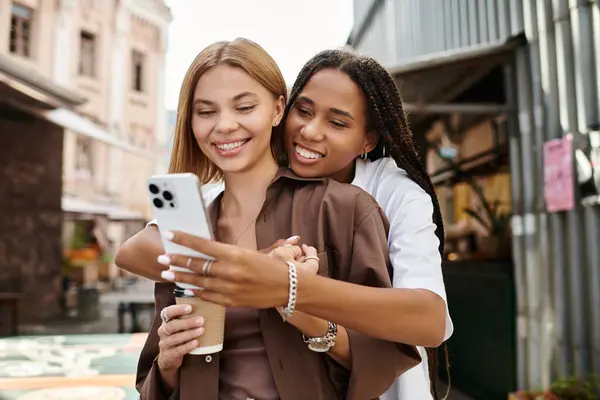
(30, 212)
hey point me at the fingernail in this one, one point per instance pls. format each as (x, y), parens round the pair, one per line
(199, 321)
(188, 292)
(187, 309)
(296, 237)
(200, 331)
(164, 260)
(168, 235)
(167, 275)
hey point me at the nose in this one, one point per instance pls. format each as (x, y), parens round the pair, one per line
(311, 131)
(227, 123)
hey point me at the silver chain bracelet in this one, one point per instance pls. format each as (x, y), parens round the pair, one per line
(291, 305)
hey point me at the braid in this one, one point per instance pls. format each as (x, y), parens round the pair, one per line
(387, 118)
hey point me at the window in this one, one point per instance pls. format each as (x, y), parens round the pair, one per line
(138, 59)
(83, 157)
(87, 56)
(20, 30)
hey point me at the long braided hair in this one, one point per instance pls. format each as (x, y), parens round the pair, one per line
(387, 118)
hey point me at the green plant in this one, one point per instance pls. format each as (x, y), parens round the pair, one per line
(488, 214)
(572, 388)
(569, 388)
(79, 239)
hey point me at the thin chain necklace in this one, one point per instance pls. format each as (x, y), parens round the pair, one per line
(230, 228)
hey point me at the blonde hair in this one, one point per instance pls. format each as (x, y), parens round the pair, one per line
(186, 155)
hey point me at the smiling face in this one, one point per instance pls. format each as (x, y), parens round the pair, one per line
(326, 127)
(232, 119)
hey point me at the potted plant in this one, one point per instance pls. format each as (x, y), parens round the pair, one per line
(570, 388)
(496, 223)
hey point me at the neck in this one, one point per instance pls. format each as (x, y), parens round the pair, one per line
(245, 191)
(346, 175)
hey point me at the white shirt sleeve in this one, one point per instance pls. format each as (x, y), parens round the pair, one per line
(412, 241)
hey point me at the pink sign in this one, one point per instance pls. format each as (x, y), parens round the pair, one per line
(559, 185)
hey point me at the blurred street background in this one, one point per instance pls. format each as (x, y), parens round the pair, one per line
(503, 98)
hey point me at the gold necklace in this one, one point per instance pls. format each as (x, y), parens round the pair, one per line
(230, 228)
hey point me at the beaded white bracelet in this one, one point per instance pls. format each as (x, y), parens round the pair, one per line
(286, 312)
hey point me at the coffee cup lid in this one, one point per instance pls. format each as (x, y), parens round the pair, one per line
(179, 292)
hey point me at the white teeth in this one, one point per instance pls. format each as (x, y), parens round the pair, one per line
(231, 146)
(307, 153)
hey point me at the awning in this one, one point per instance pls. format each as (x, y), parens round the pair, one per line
(74, 205)
(71, 120)
(27, 90)
(27, 86)
(431, 82)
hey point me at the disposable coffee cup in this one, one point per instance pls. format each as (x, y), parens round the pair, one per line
(214, 322)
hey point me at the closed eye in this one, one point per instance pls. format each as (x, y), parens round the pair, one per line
(338, 124)
(303, 111)
(246, 108)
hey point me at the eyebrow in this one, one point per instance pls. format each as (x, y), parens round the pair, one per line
(333, 109)
(235, 98)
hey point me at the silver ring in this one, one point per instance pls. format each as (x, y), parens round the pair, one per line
(163, 315)
(311, 258)
(189, 261)
(206, 267)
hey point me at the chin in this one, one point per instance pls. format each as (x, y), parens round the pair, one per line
(306, 171)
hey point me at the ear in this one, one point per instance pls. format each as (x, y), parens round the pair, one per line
(278, 110)
(370, 142)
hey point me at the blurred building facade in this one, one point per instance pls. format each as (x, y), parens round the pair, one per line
(487, 84)
(82, 109)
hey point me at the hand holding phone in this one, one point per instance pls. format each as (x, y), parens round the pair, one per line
(178, 205)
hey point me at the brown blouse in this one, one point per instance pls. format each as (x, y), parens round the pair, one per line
(348, 229)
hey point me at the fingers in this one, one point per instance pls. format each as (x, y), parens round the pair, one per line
(178, 260)
(170, 357)
(220, 251)
(310, 262)
(178, 310)
(180, 325)
(186, 277)
(287, 252)
(309, 250)
(281, 242)
(177, 339)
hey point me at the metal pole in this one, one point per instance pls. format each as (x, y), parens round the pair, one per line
(587, 116)
(516, 190)
(473, 23)
(556, 221)
(492, 20)
(596, 36)
(568, 121)
(530, 220)
(543, 314)
(483, 27)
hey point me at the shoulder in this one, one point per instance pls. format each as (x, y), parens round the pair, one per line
(390, 185)
(349, 200)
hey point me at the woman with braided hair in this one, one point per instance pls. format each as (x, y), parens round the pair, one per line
(338, 99)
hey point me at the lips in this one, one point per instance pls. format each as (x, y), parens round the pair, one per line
(307, 153)
(231, 147)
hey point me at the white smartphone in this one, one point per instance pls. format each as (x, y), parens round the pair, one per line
(178, 205)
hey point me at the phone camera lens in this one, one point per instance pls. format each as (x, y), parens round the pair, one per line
(153, 188)
(167, 195)
(158, 203)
